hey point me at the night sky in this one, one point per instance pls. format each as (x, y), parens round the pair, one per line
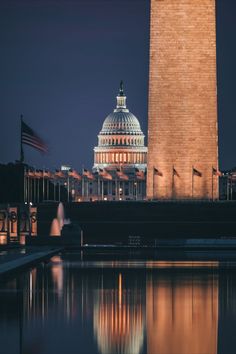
(61, 62)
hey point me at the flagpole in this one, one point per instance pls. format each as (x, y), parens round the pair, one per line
(21, 145)
(231, 188)
(82, 186)
(87, 189)
(173, 181)
(192, 180)
(48, 189)
(98, 187)
(116, 188)
(227, 188)
(212, 181)
(54, 191)
(38, 183)
(43, 184)
(29, 189)
(59, 190)
(34, 186)
(68, 188)
(24, 187)
(153, 183)
(102, 189)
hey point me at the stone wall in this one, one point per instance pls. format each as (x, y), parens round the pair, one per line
(182, 122)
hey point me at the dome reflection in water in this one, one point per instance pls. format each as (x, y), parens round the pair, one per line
(73, 306)
(119, 319)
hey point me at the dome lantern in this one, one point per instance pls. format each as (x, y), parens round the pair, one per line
(121, 99)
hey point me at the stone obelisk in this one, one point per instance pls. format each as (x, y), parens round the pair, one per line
(182, 121)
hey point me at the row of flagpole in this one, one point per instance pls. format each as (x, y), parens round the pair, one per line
(119, 178)
(33, 178)
(195, 172)
(36, 181)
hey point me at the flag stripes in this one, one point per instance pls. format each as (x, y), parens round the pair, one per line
(121, 175)
(175, 173)
(157, 172)
(196, 172)
(216, 172)
(104, 174)
(30, 138)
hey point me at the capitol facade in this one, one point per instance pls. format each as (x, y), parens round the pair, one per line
(120, 158)
(121, 140)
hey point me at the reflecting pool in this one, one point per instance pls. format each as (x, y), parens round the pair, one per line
(114, 306)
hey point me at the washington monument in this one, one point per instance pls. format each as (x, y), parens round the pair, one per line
(182, 122)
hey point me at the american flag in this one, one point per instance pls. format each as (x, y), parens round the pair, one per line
(104, 174)
(29, 137)
(157, 172)
(87, 174)
(216, 172)
(175, 173)
(139, 174)
(74, 174)
(196, 172)
(59, 174)
(121, 174)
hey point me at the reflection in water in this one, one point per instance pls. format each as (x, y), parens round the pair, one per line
(60, 307)
(183, 309)
(119, 319)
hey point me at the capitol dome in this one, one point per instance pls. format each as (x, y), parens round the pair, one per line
(121, 140)
(121, 122)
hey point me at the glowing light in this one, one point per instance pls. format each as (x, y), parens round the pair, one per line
(3, 239)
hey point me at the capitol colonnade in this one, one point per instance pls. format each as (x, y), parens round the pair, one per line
(112, 189)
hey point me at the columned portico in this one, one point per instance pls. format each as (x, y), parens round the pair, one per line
(120, 159)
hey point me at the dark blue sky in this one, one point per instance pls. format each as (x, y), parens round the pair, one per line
(61, 62)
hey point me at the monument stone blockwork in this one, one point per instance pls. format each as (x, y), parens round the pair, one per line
(182, 122)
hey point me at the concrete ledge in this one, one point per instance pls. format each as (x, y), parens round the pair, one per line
(26, 261)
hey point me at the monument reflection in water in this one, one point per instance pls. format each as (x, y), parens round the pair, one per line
(117, 307)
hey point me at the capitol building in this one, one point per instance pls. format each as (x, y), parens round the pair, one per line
(120, 159)
(121, 140)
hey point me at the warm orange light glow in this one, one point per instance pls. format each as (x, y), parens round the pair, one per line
(119, 321)
(184, 311)
(3, 239)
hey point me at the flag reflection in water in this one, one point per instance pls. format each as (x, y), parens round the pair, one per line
(119, 319)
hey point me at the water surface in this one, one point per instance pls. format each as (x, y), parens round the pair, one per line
(75, 304)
